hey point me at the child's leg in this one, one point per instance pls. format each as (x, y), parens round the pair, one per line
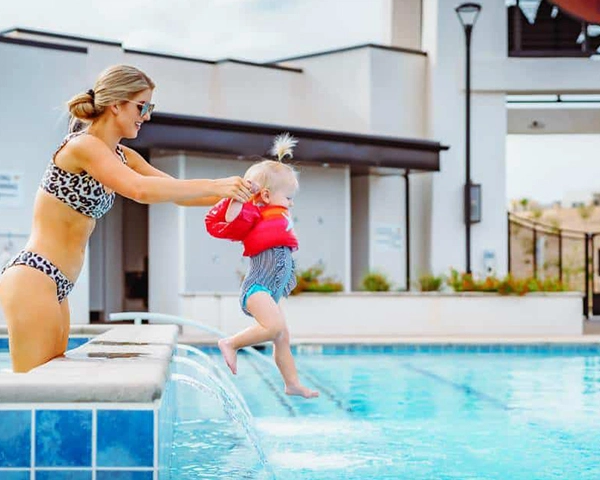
(269, 325)
(282, 354)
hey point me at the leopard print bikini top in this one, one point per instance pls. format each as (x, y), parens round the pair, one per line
(80, 191)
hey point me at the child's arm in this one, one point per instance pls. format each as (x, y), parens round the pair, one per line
(243, 218)
(233, 210)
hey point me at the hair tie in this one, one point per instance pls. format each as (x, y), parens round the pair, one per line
(92, 94)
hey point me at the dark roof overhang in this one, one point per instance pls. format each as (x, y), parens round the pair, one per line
(246, 139)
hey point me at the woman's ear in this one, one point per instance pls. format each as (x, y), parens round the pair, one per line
(114, 109)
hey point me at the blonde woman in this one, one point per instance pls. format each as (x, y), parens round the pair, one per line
(79, 186)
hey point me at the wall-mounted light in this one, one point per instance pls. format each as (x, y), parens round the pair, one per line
(536, 125)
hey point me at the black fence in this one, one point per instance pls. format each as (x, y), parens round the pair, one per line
(541, 250)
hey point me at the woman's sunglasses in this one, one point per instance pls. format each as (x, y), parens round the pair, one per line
(143, 107)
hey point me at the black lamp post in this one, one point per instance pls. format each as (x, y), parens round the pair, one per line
(467, 14)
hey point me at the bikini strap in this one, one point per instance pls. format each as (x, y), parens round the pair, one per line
(64, 142)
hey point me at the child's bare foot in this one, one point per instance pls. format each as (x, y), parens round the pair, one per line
(229, 354)
(301, 391)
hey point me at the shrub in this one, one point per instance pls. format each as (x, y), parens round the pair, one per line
(376, 282)
(461, 282)
(311, 280)
(325, 287)
(464, 282)
(430, 283)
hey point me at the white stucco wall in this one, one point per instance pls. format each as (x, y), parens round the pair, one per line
(183, 87)
(387, 232)
(404, 23)
(329, 103)
(166, 268)
(262, 95)
(398, 94)
(445, 44)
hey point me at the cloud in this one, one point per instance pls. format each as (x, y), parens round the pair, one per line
(258, 30)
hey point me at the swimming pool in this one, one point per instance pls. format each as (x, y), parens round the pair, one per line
(4, 361)
(480, 412)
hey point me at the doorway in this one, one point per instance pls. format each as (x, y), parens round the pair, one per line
(119, 261)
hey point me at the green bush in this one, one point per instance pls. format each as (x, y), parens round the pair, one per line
(430, 283)
(464, 282)
(312, 280)
(376, 282)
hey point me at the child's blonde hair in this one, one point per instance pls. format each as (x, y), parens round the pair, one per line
(272, 175)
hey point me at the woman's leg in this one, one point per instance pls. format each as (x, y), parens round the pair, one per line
(65, 325)
(33, 315)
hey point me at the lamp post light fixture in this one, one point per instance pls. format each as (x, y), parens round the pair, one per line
(467, 14)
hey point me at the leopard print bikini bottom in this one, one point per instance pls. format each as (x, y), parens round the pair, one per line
(34, 260)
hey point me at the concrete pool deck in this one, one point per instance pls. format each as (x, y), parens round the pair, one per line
(127, 363)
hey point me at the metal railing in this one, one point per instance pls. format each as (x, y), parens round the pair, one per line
(540, 250)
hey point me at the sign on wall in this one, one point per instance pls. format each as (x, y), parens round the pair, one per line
(11, 187)
(388, 236)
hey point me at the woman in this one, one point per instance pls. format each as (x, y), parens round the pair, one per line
(79, 187)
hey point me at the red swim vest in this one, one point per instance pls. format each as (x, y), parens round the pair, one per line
(259, 228)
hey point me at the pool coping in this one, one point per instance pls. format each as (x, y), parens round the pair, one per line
(126, 364)
(203, 339)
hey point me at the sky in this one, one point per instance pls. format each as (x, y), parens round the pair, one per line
(547, 168)
(257, 30)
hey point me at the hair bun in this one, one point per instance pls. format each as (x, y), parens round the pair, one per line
(283, 146)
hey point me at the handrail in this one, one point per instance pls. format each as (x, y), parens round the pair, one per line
(137, 317)
(555, 230)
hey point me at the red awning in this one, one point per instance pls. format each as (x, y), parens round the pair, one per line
(588, 10)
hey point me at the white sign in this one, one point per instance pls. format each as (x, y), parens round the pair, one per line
(11, 187)
(388, 236)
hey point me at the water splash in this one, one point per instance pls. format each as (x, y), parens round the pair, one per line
(232, 410)
(227, 390)
(204, 359)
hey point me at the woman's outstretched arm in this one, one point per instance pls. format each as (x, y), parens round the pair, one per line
(95, 157)
(141, 166)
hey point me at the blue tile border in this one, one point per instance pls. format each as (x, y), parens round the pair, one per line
(125, 443)
(3, 344)
(15, 474)
(15, 441)
(63, 475)
(123, 475)
(435, 348)
(125, 438)
(63, 438)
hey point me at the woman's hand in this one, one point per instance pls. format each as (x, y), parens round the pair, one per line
(234, 187)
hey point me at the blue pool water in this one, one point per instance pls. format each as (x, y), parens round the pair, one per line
(523, 414)
(4, 361)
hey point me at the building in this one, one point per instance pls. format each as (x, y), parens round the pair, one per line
(380, 189)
